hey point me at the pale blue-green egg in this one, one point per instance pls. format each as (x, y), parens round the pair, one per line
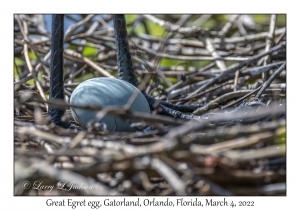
(106, 92)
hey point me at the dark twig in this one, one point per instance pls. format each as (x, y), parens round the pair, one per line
(270, 80)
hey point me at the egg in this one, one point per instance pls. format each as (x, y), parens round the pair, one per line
(106, 92)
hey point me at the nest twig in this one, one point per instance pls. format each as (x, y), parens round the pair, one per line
(222, 153)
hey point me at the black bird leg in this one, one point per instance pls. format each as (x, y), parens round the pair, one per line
(125, 67)
(126, 73)
(167, 109)
(181, 107)
(57, 71)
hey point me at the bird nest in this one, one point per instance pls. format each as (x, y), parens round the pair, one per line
(222, 62)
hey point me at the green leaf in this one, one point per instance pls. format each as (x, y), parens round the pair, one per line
(32, 56)
(281, 20)
(140, 29)
(155, 29)
(280, 135)
(16, 69)
(130, 18)
(209, 24)
(261, 19)
(19, 62)
(89, 51)
(172, 80)
(30, 82)
(169, 62)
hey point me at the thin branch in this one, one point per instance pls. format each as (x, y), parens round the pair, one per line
(270, 80)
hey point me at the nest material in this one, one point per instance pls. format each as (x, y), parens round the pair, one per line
(222, 153)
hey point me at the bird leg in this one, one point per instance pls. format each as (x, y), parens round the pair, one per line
(126, 73)
(57, 71)
(167, 109)
(125, 67)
